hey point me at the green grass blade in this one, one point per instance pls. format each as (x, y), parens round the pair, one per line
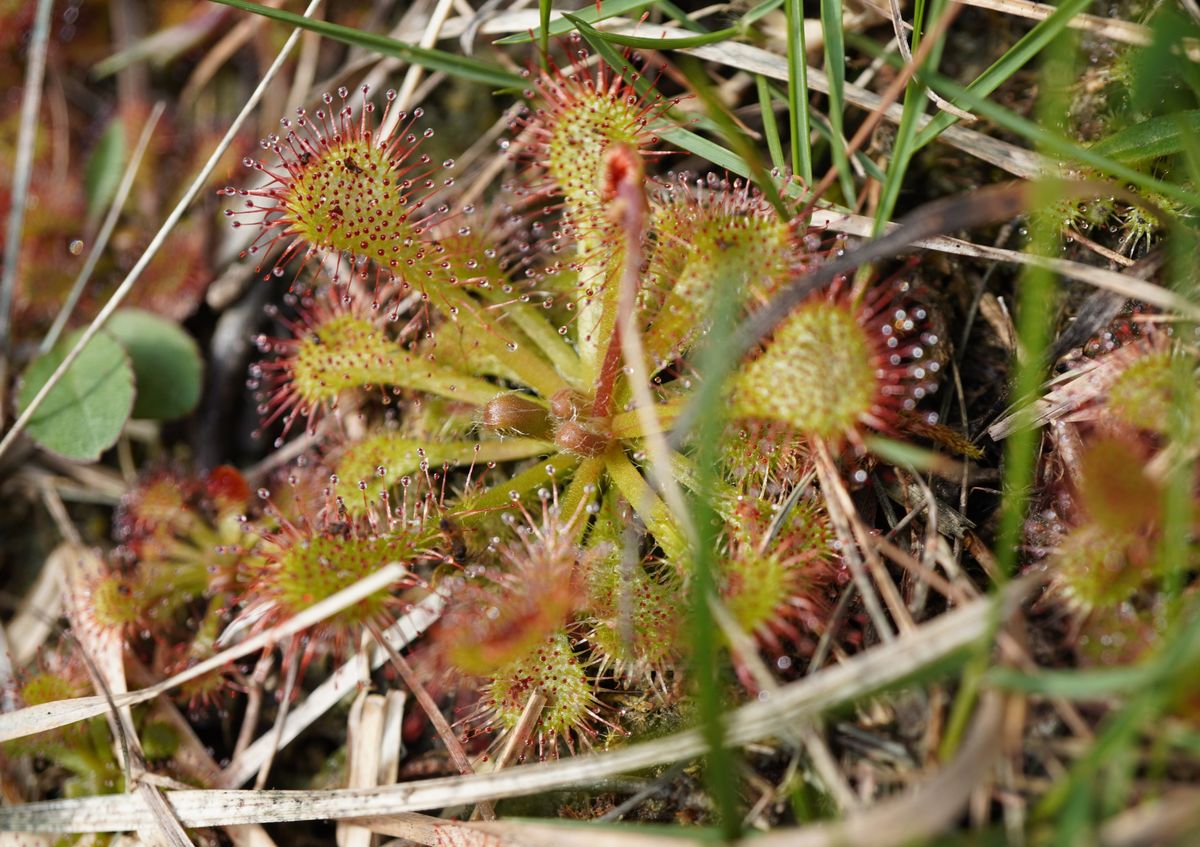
(1161, 136)
(608, 9)
(770, 125)
(1095, 684)
(699, 145)
(903, 145)
(903, 148)
(797, 95)
(644, 43)
(1036, 301)
(719, 764)
(721, 117)
(1178, 506)
(464, 67)
(1054, 144)
(544, 9)
(759, 11)
(679, 16)
(822, 128)
(1013, 60)
(835, 69)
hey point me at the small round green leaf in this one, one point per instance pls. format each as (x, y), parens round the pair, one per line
(84, 413)
(166, 360)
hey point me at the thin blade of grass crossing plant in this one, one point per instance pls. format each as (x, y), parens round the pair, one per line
(589, 13)
(463, 67)
(1003, 68)
(770, 126)
(1179, 502)
(543, 33)
(1035, 308)
(720, 766)
(902, 147)
(1097, 684)
(820, 126)
(1152, 139)
(1178, 505)
(720, 116)
(680, 16)
(685, 42)
(1036, 299)
(1166, 59)
(797, 80)
(874, 670)
(920, 458)
(757, 13)
(835, 68)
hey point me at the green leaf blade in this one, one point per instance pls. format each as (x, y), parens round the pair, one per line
(84, 413)
(166, 362)
(561, 26)
(103, 172)
(1149, 140)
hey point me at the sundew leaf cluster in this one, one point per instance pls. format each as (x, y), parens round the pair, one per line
(593, 430)
(523, 348)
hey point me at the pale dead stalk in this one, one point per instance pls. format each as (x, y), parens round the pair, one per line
(453, 746)
(858, 538)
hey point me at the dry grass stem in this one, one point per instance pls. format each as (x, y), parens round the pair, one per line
(33, 719)
(803, 700)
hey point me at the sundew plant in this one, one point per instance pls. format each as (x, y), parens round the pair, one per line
(559, 422)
